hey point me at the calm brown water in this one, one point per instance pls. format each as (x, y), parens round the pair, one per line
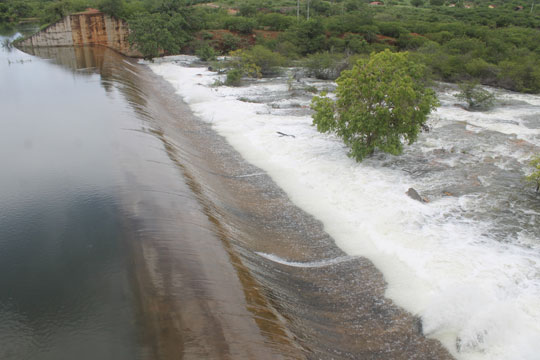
(129, 229)
(64, 282)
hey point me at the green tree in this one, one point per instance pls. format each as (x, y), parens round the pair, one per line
(308, 36)
(381, 102)
(417, 3)
(113, 7)
(158, 33)
(534, 177)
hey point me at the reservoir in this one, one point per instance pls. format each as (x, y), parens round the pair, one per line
(64, 278)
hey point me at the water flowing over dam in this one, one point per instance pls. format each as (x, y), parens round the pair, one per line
(208, 257)
(466, 262)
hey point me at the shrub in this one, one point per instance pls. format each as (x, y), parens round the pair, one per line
(475, 97)
(277, 22)
(356, 44)
(234, 77)
(325, 66)
(240, 24)
(230, 42)
(258, 61)
(205, 52)
(534, 177)
(287, 49)
(521, 75)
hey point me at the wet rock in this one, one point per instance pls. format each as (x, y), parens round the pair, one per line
(413, 194)
(462, 106)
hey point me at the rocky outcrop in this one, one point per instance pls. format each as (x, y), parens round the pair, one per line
(90, 27)
(413, 194)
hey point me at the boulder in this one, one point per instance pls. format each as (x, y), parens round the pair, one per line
(413, 194)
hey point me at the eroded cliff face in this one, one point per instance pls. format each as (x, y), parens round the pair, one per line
(91, 27)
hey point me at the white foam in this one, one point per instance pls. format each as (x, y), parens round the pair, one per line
(309, 264)
(480, 297)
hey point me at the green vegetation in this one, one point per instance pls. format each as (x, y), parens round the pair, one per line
(475, 97)
(254, 62)
(154, 34)
(205, 52)
(326, 66)
(534, 177)
(380, 102)
(490, 42)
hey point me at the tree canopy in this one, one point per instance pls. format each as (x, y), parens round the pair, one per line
(153, 34)
(492, 42)
(380, 103)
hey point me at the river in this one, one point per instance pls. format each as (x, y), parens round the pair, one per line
(468, 261)
(132, 226)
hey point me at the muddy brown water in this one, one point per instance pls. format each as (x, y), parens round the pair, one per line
(190, 219)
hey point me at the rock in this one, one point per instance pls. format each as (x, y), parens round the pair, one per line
(413, 194)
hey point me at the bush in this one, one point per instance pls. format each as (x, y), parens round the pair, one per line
(240, 24)
(356, 44)
(475, 97)
(234, 77)
(480, 69)
(410, 42)
(308, 36)
(335, 44)
(534, 177)
(521, 75)
(258, 61)
(276, 22)
(287, 49)
(325, 66)
(205, 52)
(380, 102)
(230, 42)
(392, 29)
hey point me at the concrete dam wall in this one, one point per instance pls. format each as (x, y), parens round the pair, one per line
(91, 27)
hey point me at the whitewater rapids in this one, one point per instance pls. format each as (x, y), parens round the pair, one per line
(467, 262)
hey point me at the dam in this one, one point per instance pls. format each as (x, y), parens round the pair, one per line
(91, 27)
